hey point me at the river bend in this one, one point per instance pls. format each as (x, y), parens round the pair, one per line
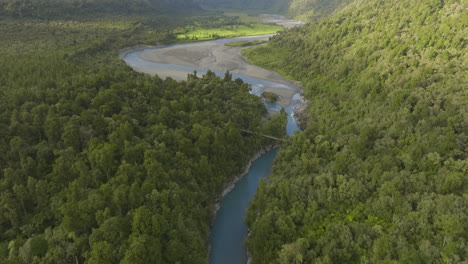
(228, 231)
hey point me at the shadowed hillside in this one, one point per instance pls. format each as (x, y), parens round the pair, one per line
(304, 10)
(273, 6)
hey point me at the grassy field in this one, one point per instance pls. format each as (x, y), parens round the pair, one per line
(227, 26)
(230, 31)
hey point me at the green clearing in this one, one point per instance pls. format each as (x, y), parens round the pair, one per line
(224, 26)
(246, 43)
(229, 31)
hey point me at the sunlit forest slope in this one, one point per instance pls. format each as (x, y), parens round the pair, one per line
(380, 173)
(307, 10)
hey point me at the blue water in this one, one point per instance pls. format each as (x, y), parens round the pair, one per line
(229, 231)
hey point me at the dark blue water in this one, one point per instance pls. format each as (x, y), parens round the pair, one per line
(229, 231)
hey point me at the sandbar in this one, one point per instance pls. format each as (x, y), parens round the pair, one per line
(214, 55)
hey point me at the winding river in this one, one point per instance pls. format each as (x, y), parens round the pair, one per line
(229, 231)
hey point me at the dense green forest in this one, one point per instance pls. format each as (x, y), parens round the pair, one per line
(100, 164)
(380, 173)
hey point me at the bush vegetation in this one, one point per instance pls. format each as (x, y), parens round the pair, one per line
(380, 173)
(270, 97)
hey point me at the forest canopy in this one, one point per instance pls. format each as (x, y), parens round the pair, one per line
(100, 164)
(380, 173)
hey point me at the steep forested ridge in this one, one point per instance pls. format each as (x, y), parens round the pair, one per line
(380, 173)
(100, 164)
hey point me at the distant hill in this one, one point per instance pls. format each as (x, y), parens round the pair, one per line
(305, 10)
(61, 8)
(271, 6)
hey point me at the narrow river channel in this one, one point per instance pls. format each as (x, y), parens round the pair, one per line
(229, 231)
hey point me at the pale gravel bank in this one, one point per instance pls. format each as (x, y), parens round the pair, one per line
(211, 55)
(215, 56)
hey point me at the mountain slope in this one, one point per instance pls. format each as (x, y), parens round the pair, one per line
(61, 8)
(272, 6)
(379, 175)
(306, 10)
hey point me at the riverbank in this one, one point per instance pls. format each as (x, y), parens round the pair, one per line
(231, 183)
(281, 21)
(301, 115)
(123, 52)
(214, 55)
